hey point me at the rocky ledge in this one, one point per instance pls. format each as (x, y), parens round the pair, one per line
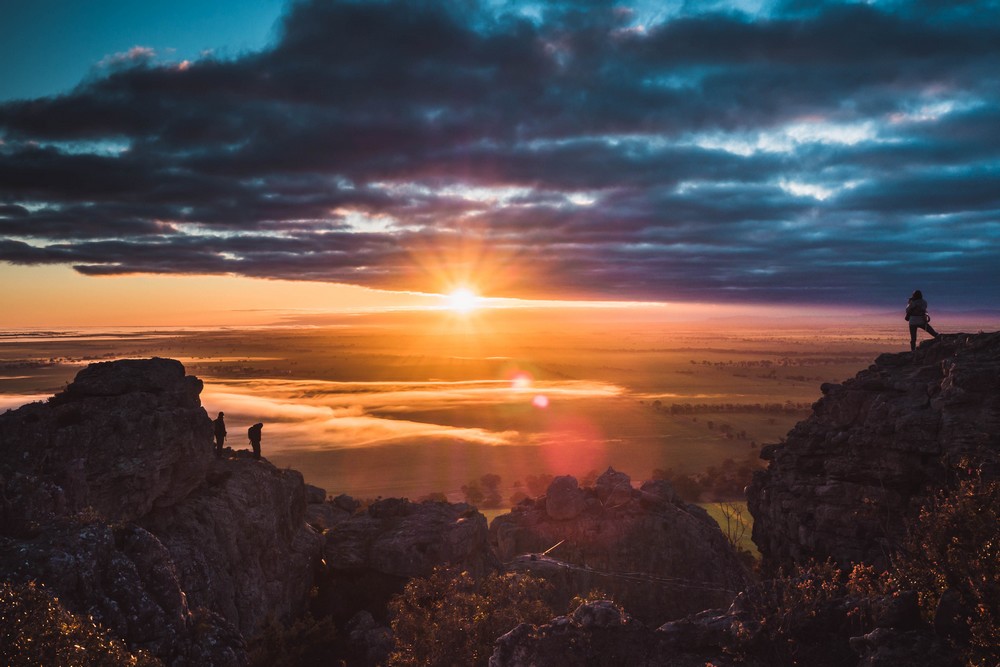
(874, 449)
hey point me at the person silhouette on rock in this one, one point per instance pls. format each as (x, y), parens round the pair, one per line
(220, 433)
(916, 315)
(254, 434)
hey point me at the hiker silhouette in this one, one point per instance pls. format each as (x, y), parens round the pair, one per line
(254, 434)
(916, 315)
(220, 433)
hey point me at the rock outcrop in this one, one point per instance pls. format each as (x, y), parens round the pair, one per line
(875, 448)
(240, 543)
(658, 556)
(123, 438)
(112, 498)
(372, 554)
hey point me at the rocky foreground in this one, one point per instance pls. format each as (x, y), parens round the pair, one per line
(112, 499)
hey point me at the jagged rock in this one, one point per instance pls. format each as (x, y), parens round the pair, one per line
(111, 497)
(124, 437)
(122, 577)
(874, 449)
(314, 494)
(371, 555)
(241, 544)
(599, 614)
(613, 487)
(564, 500)
(325, 515)
(658, 556)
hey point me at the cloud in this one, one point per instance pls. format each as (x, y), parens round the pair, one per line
(556, 150)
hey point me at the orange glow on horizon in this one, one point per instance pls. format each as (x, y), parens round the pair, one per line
(58, 297)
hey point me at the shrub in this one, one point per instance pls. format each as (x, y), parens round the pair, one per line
(954, 545)
(799, 619)
(35, 629)
(450, 618)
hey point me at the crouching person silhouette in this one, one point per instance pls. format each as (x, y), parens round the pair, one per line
(254, 434)
(916, 315)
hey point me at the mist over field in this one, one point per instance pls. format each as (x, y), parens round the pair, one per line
(379, 406)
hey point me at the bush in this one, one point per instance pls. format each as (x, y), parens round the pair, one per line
(954, 547)
(35, 629)
(450, 618)
(806, 616)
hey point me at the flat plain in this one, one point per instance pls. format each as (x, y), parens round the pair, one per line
(417, 404)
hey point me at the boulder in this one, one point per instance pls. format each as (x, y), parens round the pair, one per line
(658, 556)
(613, 488)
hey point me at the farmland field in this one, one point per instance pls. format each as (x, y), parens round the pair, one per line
(367, 408)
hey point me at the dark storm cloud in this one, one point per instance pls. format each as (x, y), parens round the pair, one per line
(833, 152)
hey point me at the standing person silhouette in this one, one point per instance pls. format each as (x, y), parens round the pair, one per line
(220, 433)
(254, 434)
(916, 315)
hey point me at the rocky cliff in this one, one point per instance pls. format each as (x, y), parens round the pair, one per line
(875, 447)
(659, 556)
(112, 498)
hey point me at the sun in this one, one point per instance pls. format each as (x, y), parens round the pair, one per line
(463, 300)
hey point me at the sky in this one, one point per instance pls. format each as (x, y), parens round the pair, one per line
(829, 154)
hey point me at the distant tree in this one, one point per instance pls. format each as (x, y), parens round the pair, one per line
(490, 480)
(687, 487)
(491, 490)
(517, 497)
(433, 497)
(473, 493)
(538, 484)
